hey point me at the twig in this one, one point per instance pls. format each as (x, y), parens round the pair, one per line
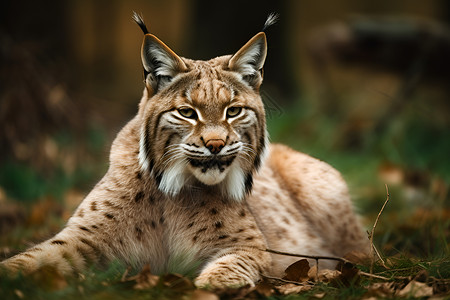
(308, 256)
(373, 276)
(306, 283)
(379, 256)
(372, 246)
(434, 279)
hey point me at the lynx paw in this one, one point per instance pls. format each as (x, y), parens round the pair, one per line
(228, 271)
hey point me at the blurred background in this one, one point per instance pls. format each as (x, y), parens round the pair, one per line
(363, 85)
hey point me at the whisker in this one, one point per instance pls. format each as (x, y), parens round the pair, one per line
(168, 156)
(171, 160)
(246, 159)
(171, 151)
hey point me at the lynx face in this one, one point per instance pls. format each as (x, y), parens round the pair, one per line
(206, 117)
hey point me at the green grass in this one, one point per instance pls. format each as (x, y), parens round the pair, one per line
(109, 284)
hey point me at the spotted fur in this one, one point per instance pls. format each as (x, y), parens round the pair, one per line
(194, 186)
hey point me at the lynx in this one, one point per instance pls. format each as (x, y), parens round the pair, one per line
(195, 186)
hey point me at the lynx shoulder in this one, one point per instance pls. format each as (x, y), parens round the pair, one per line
(195, 186)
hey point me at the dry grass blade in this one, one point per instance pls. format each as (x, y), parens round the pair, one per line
(278, 279)
(372, 246)
(374, 276)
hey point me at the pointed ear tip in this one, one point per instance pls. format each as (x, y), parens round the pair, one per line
(152, 39)
(261, 35)
(149, 36)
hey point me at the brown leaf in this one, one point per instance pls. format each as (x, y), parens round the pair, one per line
(381, 289)
(264, 289)
(42, 209)
(328, 275)
(312, 273)
(19, 294)
(291, 288)
(145, 279)
(421, 276)
(358, 257)
(415, 289)
(2, 197)
(298, 271)
(349, 274)
(177, 282)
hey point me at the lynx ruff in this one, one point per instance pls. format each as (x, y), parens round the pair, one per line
(194, 186)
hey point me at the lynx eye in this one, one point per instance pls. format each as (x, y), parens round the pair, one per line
(233, 111)
(188, 113)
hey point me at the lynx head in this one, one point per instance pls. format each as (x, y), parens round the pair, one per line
(203, 122)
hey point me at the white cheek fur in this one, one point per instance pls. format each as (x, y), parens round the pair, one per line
(174, 177)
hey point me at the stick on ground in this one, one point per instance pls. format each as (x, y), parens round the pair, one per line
(372, 246)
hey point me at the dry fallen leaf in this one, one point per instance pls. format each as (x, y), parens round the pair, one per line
(358, 257)
(19, 294)
(415, 289)
(264, 289)
(381, 289)
(349, 273)
(177, 282)
(145, 279)
(298, 271)
(328, 275)
(42, 209)
(319, 295)
(291, 288)
(422, 276)
(312, 273)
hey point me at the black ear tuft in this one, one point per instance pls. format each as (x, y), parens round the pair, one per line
(140, 21)
(160, 63)
(272, 18)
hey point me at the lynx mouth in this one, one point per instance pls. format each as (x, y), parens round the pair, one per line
(212, 163)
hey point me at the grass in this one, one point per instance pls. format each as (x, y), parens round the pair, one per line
(109, 284)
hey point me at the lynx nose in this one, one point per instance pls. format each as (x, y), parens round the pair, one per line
(215, 145)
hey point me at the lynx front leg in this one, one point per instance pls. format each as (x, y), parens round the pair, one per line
(234, 268)
(68, 252)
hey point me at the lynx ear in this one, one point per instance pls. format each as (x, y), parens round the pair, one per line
(249, 60)
(160, 63)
